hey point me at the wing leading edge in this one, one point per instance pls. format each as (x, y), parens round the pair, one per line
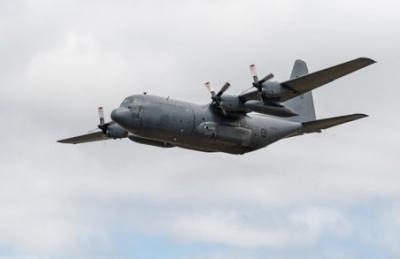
(311, 81)
(300, 85)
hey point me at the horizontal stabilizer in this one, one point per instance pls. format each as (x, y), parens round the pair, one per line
(313, 80)
(318, 125)
(90, 137)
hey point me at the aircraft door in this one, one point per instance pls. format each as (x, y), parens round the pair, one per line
(137, 112)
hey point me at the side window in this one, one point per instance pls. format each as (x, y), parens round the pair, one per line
(136, 111)
(263, 133)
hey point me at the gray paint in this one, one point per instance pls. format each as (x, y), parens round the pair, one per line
(198, 127)
(304, 103)
(225, 125)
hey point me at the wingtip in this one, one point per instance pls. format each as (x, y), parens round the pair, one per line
(369, 60)
(63, 141)
(361, 115)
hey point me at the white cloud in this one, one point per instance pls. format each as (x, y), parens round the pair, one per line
(60, 61)
(303, 227)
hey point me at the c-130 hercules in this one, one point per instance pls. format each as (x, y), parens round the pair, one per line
(227, 124)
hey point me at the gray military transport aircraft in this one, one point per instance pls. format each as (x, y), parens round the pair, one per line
(230, 123)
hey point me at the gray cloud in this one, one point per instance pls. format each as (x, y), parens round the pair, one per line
(62, 60)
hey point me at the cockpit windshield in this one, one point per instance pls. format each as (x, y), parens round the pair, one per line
(128, 101)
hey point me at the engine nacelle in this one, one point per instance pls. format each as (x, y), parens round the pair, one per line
(231, 103)
(115, 131)
(273, 90)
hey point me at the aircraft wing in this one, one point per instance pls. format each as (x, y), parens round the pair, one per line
(250, 94)
(90, 137)
(308, 82)
(311, 81)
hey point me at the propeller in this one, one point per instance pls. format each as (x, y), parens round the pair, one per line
(256, 82)
(110, 129)
(210, 89)
(216, 97)
(103, 126)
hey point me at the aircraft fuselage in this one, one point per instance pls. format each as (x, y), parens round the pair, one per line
(166, 122)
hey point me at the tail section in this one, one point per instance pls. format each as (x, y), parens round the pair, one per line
(302, 104)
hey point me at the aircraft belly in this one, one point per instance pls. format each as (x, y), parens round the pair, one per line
(235, 140)
(199, 128)
(212, 132)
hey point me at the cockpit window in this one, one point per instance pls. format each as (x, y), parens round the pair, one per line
(128, 101)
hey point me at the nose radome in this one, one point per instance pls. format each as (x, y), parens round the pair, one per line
(120, 114)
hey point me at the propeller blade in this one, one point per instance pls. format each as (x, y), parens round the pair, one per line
(266, 78)
(210, 88)
(253, 72)
(223, 89)
(216, 97)
(101, 115)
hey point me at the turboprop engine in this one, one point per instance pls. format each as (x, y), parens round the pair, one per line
(115, 131)
(110, 129)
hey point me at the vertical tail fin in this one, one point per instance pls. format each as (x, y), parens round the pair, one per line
(302, 104)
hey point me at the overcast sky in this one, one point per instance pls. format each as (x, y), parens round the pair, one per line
(331, 195)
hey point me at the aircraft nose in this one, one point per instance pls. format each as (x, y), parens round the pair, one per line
(120, 114)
